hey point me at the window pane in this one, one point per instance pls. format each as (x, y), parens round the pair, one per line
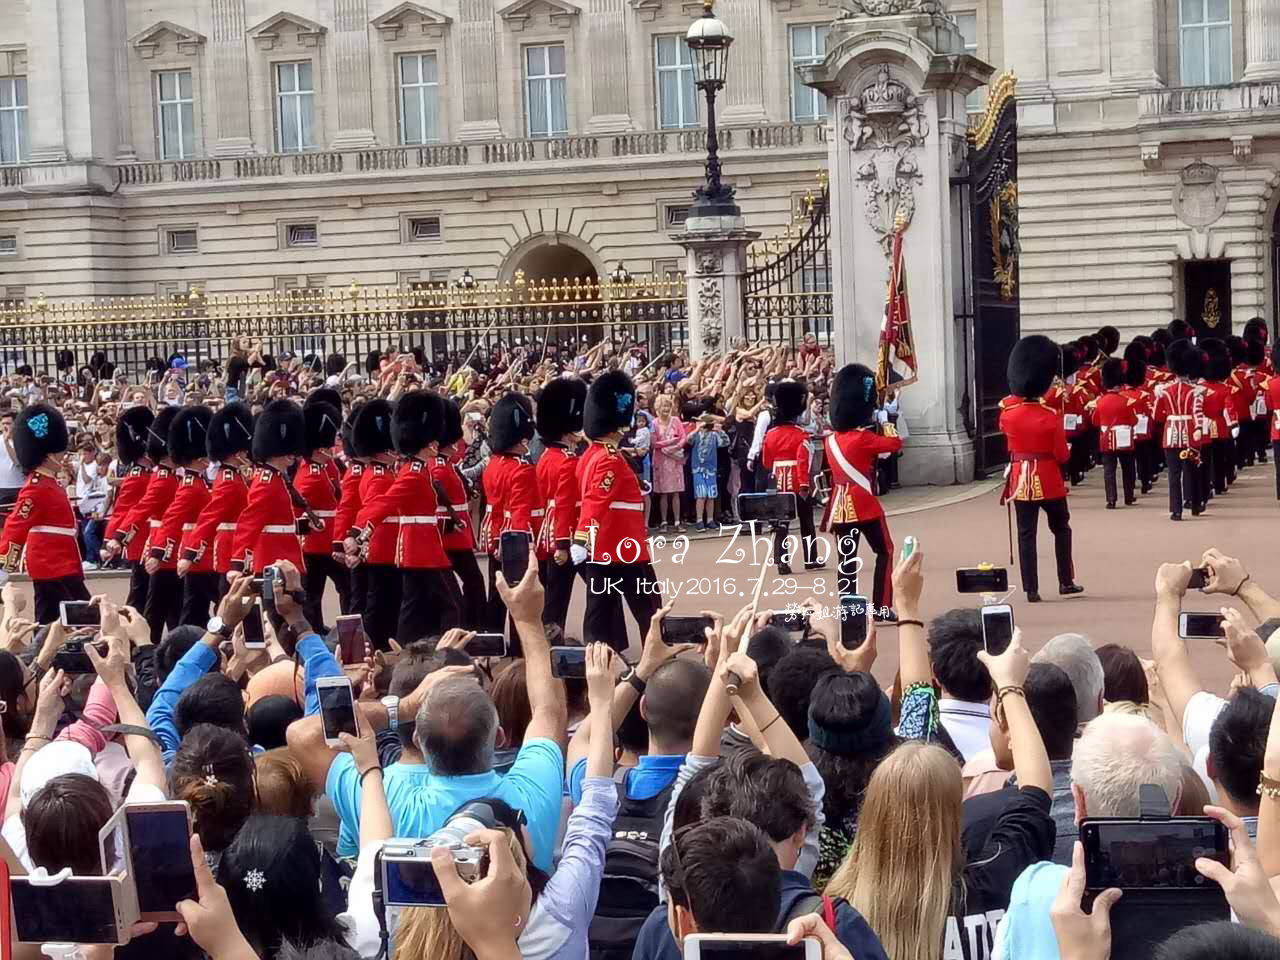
(535, 61)
(412, 121)
(306, 102)
(800, 46)
(555, 56)
(6, 92)
(431, 121)
(284, 77)
(668, 99)
(1219, 55)
(1193, 73)
(288, 124)
(1192, 11)
(666, 51)
(823, 32)
(800, 98)
(408, 69)
(537, 97)
(430, 69)
(8, 139)
(169, 132)
(968, 24)
(167, 86)
(304, 75)
(188, 130)
(559, 110)
(1220, 11)
(20, 86)
(689, 94)
(184, 84)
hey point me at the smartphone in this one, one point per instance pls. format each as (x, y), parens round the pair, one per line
(254, 637)
(982, 580)
(1145, 854)
(997, 628)
(677, 630)
(908, 546)
(1199, 578)
(764, 507)
(268, 586)
(855, 612)
(792, 621)
(515, 556)
(160, 854)
(569, 663)
(77, 910)
(749, 946)
(337, 708)
(71, 659)
(80, 613)
(487, 645)
(1201, 626)
(351, 640)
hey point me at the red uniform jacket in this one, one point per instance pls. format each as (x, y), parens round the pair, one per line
(145, 516)
(558, 489)
(267, 531)
(348, 504)
(852, 499)
(1076, 404)
(377, 480)
(179, 520)
(1244, 384)
(1219, 417)
(409, 502)
(1142, 398)
(320, 488)
(132, 488)
(446, 476)
(1180, 408)
(611, 521)
(210, 538)
(1271, 391)
(511, 495)
(1115, 414)
(1037, 448)
(43, 526)
(786, 456)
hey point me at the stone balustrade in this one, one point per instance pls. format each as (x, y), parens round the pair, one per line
(1192, 103)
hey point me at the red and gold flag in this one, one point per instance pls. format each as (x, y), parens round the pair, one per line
(896, 361)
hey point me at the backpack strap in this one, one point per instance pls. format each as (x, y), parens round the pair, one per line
(802, 906)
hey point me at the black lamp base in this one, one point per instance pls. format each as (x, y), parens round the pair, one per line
(719, 203)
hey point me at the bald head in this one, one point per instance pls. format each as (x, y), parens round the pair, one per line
(456, 728)
(672, 699)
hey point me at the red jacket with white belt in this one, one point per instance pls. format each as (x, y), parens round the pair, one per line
(511, 496)
(1037, 447)
(41, 528)
(1115, 409)
(446, 476)
(267, 531)
(216, 526)
(786, 455)
(376, 480)
(411, 499)
(1180, 407)
(558, 489)
(144, 518)
(180, 519)
(611, 521)
(132, 489)
(316, 484)
(851, 501)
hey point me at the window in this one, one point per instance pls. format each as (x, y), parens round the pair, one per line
(675, 214)
(175, 115)
(1205, 42)
(301, 235)
(968, 24)
(14, 147)
(422, 228)
(419, 98)
(295, 107)
(677, 97)
(8, 244)
(180, 240)
(808, 45)
(544, 93)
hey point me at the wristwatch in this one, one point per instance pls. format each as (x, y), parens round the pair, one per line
(216, 626)
(392, 703)
(633, 678)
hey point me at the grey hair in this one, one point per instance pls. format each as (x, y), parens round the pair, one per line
(1072, 654)
(457, 727)
(1115, 756)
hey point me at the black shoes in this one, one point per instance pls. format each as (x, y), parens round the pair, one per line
(815, 566)
(784, 570)
(1130, 503)
(1175, 516)
(1033, 597)
(1070, 589)
(1112, 506)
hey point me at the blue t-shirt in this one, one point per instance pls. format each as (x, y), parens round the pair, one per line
(420, 801)
(646, 779)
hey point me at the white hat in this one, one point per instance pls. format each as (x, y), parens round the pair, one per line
(55, 760)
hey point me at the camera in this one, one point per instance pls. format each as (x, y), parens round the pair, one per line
(405, 874)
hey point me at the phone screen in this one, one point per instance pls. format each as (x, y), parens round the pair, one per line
(1199, 578)
(75, 911)
(1203, 626)
(752, 949)
(411, 883)
(792, 622)
(1150, 853)
(337, 710)
(767, 506)
(982, 580)
(685, 630)
(997, 630)
(71, 659)
(487, 645)
(853, 621)
(160, 845)
(254, 638)
(351, 638)
(515, 556)
(569, 662)
(80, 613)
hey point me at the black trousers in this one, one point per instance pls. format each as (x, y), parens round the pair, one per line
(1078, 464)
(139, 583)
(51, 593)
(430, 604)
(468, 572)
(1224, 464)
(164, 603)
(200, 592)
(359, 587)
(557, 585)
(848, 537)
(1027, 513)
(1184, 483)
(608, 584)
(1275, 452)
(382, 599)
(321, 567)
(1145, 459)
(808, 535)
(1126, 461)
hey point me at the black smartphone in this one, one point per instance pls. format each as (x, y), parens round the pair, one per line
(1199, 578)
(676, 630)
(160, 848)
(71, 659)
(997, 628)
(78, 910)
(1145, 854)
(80, 613)
(487, 645)
(514, 547)
(854, 614)
(792, 621)
(254, 637)
(268, 587)
(982, 580)
(569, 663)
(1201, 626)
(351, 638)
(767, 507)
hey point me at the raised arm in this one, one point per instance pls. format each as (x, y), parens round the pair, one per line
(1008, 673)
(1228, 575)
(1173, 664)
(143, 751)
(913, 646)
(546, 693)
(1269, 807)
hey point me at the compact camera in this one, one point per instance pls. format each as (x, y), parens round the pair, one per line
(407, 875)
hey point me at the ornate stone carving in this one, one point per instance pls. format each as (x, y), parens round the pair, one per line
(888, 121)
(710, 310)
(886, 8)
(1200, 196)
(710, 263)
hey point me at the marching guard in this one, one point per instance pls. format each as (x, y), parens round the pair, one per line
(510, 488)
(1179, 409)
(786, 457)
(345, 519)
(131, 451)
(1115, 415)
(459, 539)
(375, 555)
(267, 530)
(559, 421)
(227, 443)
(320, 485)
(195, 584)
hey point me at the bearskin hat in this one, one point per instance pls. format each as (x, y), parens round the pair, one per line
(38, 432)
(188, 434)
(230, 432)
(323, 423)
(1137, 350)
(1238, 352)
(1158, 357)
(1162, 336)
(1033, 364)
(158, 434)
(131, 433)
(371, 429)
(417, 421)
(345, 437)
(1217, 359)
(1072, 358)
(1255, 353)
(510, 422)
(1256, 329)
(790, 399)
(611, 405)
(451, 432)
(1185, 359)
(1091, 349)
(1181, 330)
(853, 397)
(279, 431)
(1110, 338)
(1135, 372)
(325, 395)
(560, 407)
(334, 364)
(1112, 373)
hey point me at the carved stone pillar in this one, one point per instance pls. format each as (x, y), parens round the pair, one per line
(124, 109)
(46, 120)
(716, 259)
(606, 24)
(1261, 40)
(230, 78)
(743, 97)
(477, 48)
(351, 67)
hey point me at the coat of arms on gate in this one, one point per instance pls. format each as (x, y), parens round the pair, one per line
(1004, 238)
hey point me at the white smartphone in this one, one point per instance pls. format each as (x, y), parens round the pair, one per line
(79, 613)
(337, 708)
(160, 858)
(749, 946)
(73, 910)
(997, 628)
(1201, 626)
(254, 636)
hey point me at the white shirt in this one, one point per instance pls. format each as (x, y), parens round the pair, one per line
(91, 489)
(1197, 720)
(757, 438)
(10, 474)
(969, 725)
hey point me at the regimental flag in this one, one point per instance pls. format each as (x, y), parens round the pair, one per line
(896, 361)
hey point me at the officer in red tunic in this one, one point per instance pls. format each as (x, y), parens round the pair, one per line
(267, 530)
(1271, 397)
(1179, 409)
(374, 557)
(131, 451)
(227, 444)
(1037, 452)
(510, 488)
(559, 419)
(853, 512)
(41, 528)
(785, 456)
(320, 485)
(190, 596)
(459, 538)
(348, 507)
(1251, 406)
(1115, 415)
(1143, 396)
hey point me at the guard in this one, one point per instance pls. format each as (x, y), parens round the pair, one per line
(459, 538)
(1271, 397)
(320, 485)
(131, 451)
(560, 408)
(227, 442)
(348, 507)
(786, 457)
(1115, 414)
(267, 530)
(1179, 408)
(376, 554)
(510, 488)
(195, 585)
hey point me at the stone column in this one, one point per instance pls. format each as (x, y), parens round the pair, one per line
(1026, 51)
(716, 259)
(477, 52)
(230, 78)
(606, 28)
(743, 99)
(1261, 40)
(46, 115)
(351, 67)
(124, 110)
(1135, 43)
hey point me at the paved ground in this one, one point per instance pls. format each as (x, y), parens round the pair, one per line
(1116, 554)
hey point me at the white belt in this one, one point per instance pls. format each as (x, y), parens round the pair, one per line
(280, 528)
(60, 531)
(783, 463)
(419, 519)
(1180, 417)
(226, 527)
(458, 509)
(506, 514)
(626, 506)
(154, 523)
(188, 526)
(326, 514)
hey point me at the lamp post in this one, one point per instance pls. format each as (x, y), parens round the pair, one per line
(709, 41)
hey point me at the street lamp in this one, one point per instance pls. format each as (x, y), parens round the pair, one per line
(467, 281)
(620, 275)
(709, 41)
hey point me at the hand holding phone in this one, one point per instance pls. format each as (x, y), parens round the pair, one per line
(569, 663)
(252, 629)
(487, 645)
(160, 855)
(514, 550)
(351, 639)
(1199, 578)
(678, 630)
(79, 613)
(855, 620)
(337, 708)
(997, 628)
(767, 507)
(750, 946)
(982, 579)
(1201, 626)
